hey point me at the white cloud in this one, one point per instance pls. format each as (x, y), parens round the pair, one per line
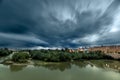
(91, 38)
(87, 39)
(40, 47)
(115, 27)
(65, 14)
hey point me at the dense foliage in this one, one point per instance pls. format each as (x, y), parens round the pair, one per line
(57, 55)
(4, 52)
(54, 56)
(20, 57)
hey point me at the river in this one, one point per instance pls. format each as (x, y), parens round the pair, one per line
(83, 70)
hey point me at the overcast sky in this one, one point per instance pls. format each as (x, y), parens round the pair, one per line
(59, 23)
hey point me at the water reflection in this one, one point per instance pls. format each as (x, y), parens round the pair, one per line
(104, 64)
(107, 64)
(83, 70)
(55, 66)
(81, 64)
(16, 68)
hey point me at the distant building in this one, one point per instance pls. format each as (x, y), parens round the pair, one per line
(71, 50)
(81, 50)
(106, 49)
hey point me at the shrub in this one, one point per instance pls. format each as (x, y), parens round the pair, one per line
(5, 52)
(65, 56)
(20, 57)
(76, 56)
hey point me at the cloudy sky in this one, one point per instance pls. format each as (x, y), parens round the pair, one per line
(59, 23)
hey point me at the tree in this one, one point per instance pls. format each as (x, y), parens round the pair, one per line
(20, 57)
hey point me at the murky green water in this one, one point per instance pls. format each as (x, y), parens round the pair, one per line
(85, 70)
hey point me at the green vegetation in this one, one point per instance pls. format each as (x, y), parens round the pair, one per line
(20, 57)
(96, 55)
(57, 55)
(4, 52)
(53, 55)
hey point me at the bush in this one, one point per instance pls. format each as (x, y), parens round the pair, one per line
(20, 57)
(76, 56)
(65, 56)
(5, 52)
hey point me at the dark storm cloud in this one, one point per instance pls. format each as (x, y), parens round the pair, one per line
(57, 23)
(1, 1)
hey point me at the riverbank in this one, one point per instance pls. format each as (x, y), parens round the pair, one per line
(38, 62)
(25, 57)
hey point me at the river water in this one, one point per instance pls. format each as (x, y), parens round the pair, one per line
(83, 70)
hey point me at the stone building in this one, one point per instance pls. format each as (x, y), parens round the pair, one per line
(81, 50)
(106, 49)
